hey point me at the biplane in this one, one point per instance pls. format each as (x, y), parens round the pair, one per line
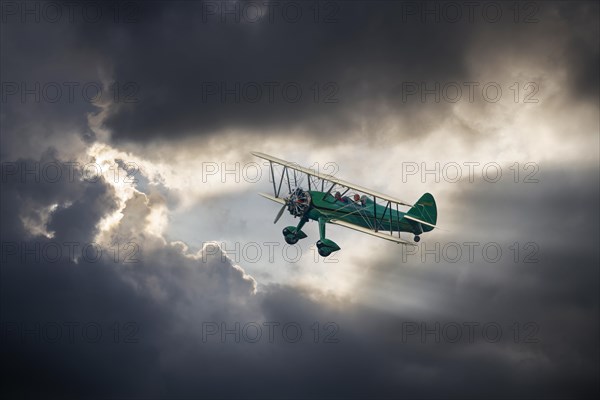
(365, 210)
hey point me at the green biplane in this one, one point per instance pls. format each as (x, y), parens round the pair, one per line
(366, 211)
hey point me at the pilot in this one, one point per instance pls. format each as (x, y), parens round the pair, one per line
(338, 197)
(356, 197)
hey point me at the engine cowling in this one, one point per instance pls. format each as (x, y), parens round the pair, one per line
(298, 202)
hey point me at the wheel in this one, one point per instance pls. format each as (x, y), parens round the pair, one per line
(417, 238)
(324, 252)
(291, 239)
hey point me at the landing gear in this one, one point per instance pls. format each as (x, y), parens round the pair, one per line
(325, 246)
(323, 252)
(417, 238)
(291, 239)
(294, 233)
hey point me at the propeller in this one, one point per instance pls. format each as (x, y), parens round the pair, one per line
(297, 203)
(280, 213)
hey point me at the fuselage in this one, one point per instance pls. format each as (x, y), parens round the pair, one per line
(369, 215)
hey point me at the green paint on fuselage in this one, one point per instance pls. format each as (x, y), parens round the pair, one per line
(325, 205)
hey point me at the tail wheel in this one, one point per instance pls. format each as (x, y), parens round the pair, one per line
(417, 238)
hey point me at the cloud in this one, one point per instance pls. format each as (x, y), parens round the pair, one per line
(363, 60)
(178, 306)
(142, 281)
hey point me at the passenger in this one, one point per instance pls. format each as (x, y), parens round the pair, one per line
(338, 197)
(356, 198)
(363, 200)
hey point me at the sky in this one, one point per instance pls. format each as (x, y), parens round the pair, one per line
(139, 261)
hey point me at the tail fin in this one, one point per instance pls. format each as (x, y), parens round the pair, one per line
(425, 210)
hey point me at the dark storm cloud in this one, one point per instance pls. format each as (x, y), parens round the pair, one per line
(166, 72)
(169, 298)
(582, 53)
(79, 204)
(368, 53)
(72, 290)
(49, 86)
(368, 50)
(557, 289)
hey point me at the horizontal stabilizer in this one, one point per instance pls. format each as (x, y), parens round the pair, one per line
(419, 221)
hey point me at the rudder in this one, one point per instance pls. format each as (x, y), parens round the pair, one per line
(425, 209)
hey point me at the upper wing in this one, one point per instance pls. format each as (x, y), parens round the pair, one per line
(370, 232)
(331, 178)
